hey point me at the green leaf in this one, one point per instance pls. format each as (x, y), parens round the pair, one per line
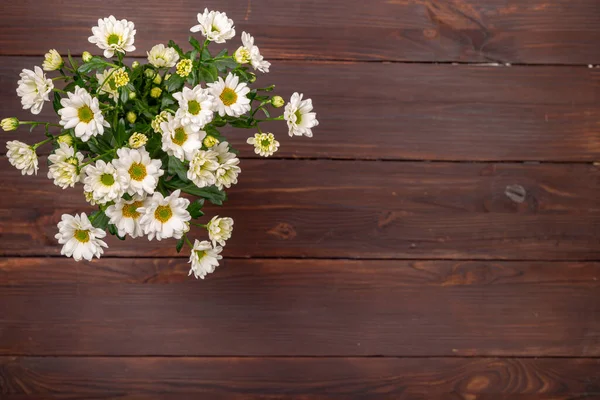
(179, 245)
(174, 83)
(176, 167)
(223, 64)
(112, 229)
(210, 193)
(56, 102)
(94, 64)
(166, 102)
(154, 144)
(221, 53)
(208, 73)
(127, 196)
(99, 220)
(73, 63)
(176, 47)
(195, 44)
(195, 208)
(120, 133)
(205, 54)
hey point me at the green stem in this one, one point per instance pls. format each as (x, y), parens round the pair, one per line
(197, 224)
(43, 142)
(280, 118)
(59, 91)
(188, 241)
(97, 158)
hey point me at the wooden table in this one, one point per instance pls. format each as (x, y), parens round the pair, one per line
(437, 238)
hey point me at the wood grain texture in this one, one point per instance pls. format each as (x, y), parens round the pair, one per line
(417, 112)
(293, 378)
(349, 209)
(524, 31)
(259, 308)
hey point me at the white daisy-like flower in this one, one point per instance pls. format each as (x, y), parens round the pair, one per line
(107, 81)
(202, 168)
(204, 258)
(34, 89)
(103, 180)
(112, 35)
(230, 96)
(64, 164)
(265, 144)
(22, 156)
(195, 107)
(215, 26)
(165, 217)
(180, 140)
(52, 61)
(125, 216)
(140, 171)
(219, 230)
(300, 119)
(249, 53)
(228, 170)
(163, 57)
(79, 238)
(82, 112)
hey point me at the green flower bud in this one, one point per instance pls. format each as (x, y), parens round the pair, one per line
(277, 101)
(10, 124)
(210, 141)
(157, 79)
(132, 95)
(149, 73)
(155, 92)
(86, 56)
(66, 139)
(131, 117)
(251, 78)
(135, 64)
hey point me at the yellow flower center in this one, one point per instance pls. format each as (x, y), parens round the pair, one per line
(72, 161)
(107, 179)
(179, 137)
(194, 107)
(121, 78)
(130, 210)
(82, 236)
(113, 39)
(228, 96)
(163, 213)
(137, 171)
(85, 114)
(298, 117)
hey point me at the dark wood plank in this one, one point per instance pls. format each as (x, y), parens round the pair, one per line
(525, 31)
(304, 308)
(419, 112)
(297, 378)
(289, 208)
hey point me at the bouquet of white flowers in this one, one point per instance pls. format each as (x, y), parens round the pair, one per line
(138, 137)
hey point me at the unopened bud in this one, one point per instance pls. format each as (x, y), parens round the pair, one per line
(66, 139)
(86, 56)
(10, 124)
(277, 101)
(155, 92)
(131, 117)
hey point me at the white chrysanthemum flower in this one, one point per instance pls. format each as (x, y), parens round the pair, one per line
(195, 107)
(219, 230)
(22, 156)
(299, 117)
(140, 171)
(82, 112)
(230, 96)
(107, 81)
(103, 180)
(228, 170)
(204, 258)
(34, 89)
(249, 53)
(165, 217)
(125, 216)
(64, 166)
(202, 168)
(180, 140)
(215, 26)
(111, 35)
(161, 56)
(265, 144)
(79, 237)
(52, 61)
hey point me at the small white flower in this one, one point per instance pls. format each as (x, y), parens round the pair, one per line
(161, 56)
(140, 171)
(82, 112)
(104, 182)
(195, 107)
(264, 144)
(64, 165)
(228, 170)
(219, 230)
(300, 119)
(249, 53)
(125, 216)
(106, 80)
(52, 61)
(230, 96)
(34, 89)
(180, 140)
(215, 26)
(22, 156)
(204, 258)
(202, 168)
(79, 237)
(165, 217)
(111, 35)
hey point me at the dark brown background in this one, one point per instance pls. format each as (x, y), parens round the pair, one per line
(437, 238)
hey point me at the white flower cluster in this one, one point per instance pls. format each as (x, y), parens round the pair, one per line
(136, 139)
